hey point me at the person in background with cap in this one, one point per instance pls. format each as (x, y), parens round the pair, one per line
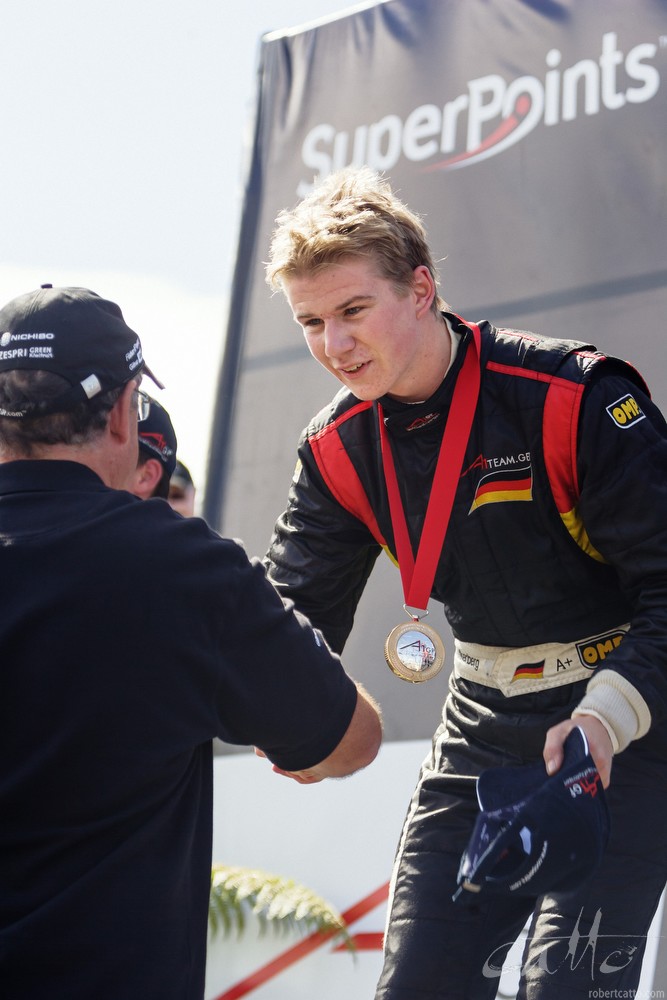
(182, 490)
(157, 453)
(521, 482)
(111, 698)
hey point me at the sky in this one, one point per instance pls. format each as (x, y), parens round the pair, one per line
(125, 128)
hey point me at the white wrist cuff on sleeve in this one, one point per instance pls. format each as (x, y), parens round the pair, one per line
(619, 707)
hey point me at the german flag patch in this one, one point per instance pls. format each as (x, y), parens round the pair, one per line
(529, 671)
(503, 486)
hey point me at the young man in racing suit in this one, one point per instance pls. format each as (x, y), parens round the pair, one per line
(552, 575)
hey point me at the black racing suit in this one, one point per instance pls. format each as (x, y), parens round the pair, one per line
(558, 532)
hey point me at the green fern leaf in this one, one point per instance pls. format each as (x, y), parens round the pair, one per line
(275, 902)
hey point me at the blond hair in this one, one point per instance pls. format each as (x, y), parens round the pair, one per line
(351, 214)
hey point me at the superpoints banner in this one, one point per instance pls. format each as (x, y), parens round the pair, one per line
(492, 114)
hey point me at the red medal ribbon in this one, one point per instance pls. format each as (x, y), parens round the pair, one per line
(418, 574)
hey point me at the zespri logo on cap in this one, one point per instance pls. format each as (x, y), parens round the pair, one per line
(626, 412)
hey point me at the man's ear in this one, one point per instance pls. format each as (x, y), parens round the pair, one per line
(423, 288)
(123, 415)
(147, 478)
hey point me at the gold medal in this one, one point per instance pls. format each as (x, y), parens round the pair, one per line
(414, 651)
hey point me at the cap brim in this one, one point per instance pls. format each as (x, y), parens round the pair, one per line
(146, 371)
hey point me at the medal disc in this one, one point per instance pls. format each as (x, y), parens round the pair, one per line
(414, 651)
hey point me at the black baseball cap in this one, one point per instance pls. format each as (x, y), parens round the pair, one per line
(157, 436)
(181, 477)
(71, 332)
(537, 834)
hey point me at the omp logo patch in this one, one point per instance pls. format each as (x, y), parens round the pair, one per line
(626, 412)
(594, 651)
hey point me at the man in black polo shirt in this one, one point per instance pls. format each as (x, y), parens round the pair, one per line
(110, 697)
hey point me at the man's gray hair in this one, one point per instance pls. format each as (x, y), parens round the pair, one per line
(23, 389)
